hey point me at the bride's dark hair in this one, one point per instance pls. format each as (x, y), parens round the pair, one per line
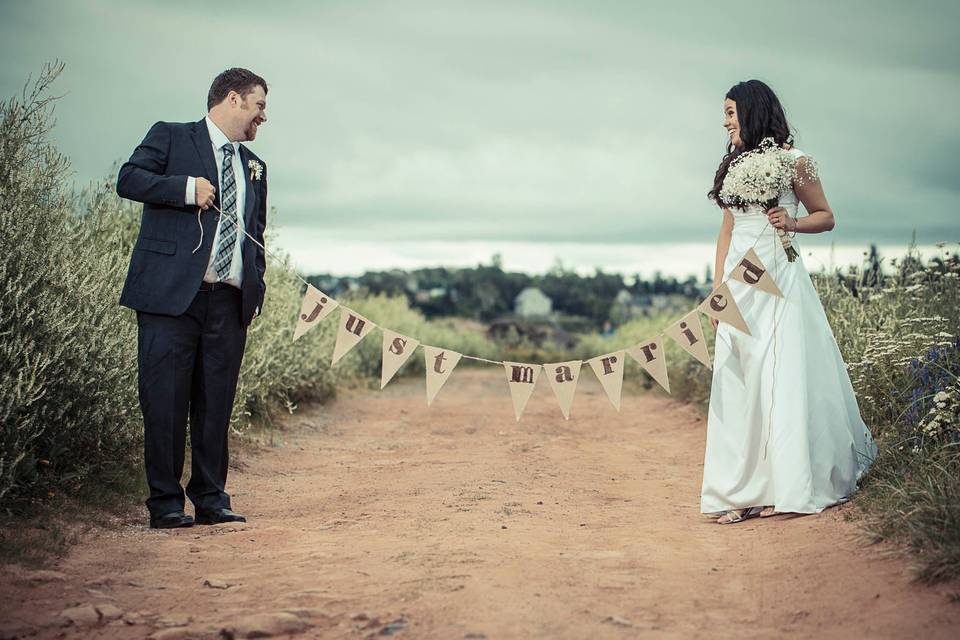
(761, 116)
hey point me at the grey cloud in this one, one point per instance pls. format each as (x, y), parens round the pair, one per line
(496, 120)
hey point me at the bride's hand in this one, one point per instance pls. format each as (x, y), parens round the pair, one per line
(779, 218)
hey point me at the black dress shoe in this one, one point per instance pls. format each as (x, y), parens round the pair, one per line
(171, 520)
(217, 516)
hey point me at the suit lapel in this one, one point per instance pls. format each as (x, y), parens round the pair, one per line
(251, 194)
(201, 140)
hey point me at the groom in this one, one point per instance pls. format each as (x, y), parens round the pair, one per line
(196, 283)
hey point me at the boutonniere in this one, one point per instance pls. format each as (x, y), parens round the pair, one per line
(256, 169)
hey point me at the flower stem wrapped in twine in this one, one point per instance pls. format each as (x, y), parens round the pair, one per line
(785, 241)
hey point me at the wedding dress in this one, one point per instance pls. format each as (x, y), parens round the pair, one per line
(783, 427)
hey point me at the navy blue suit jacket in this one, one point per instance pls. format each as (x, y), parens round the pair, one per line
(165, 273)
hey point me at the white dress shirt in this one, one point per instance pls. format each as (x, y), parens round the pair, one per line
(218, 139)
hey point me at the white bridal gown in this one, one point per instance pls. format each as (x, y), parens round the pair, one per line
(783, 391)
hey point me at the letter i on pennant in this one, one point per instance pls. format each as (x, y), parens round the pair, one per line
(688, 333)
(315, 307)
(353, 327)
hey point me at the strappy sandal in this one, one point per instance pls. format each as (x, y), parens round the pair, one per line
(738, 515)
(769, 511)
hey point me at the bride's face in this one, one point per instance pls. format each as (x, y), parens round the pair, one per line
(730, 122)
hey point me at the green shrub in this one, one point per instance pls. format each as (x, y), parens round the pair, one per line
(68, 407)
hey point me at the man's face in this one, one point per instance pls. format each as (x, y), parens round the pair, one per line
(252, 112)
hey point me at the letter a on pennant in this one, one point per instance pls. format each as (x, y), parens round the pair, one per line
(396, 349)
(353, 327)
(521, 378)
(563, 378)
(439, 363)
(721, 305)
(609, 370)
(653, 359)
(752, 272)
(688, 333)
(315, 307)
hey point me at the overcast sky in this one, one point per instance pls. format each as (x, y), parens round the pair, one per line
(520, 122)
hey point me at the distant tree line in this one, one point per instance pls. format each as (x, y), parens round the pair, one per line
(487, 291)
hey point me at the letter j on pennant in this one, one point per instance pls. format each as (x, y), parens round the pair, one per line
(315, 307)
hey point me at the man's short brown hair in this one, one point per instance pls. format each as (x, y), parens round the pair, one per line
(236, 79)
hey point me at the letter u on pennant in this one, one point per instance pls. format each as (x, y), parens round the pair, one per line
(353, 328)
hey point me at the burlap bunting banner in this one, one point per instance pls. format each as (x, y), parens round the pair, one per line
(563, 376)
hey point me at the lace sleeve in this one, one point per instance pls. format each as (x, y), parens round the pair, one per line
(807, 171)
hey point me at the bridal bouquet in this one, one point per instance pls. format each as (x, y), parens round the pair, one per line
(758, 177)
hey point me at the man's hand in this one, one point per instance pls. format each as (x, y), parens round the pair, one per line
(206, 193)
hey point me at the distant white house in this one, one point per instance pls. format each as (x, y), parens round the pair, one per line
(531, 302)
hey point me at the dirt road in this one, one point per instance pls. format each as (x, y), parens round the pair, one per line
(377, 516)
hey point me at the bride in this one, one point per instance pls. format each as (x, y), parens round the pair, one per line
(784, 433)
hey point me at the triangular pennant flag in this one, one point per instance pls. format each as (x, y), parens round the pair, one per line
(688, 333)
(653, 359)
(521, 378)
(439, 363)
(721, 305)
(315, 307)
(609, 370)
(353, 327)
(752, 272)
(396, 349)
(563, 378)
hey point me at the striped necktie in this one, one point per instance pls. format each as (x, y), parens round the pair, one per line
(228, 224)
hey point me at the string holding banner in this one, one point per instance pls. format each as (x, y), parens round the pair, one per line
(439, 363)
(563, 376)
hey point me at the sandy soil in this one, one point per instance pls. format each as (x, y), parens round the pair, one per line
(377, 516)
